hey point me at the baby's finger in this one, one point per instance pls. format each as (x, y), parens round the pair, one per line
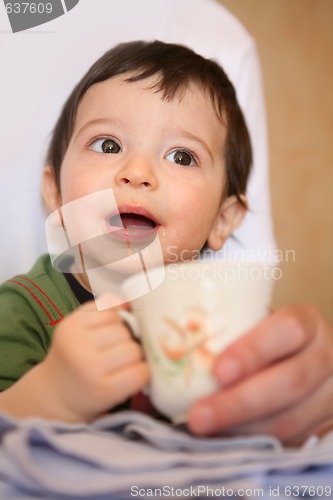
(108, 300)
(106, 337)
(282, 334)
(91, 317)
(128, 382)
(122, 355)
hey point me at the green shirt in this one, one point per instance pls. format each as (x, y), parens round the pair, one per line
(31, 306)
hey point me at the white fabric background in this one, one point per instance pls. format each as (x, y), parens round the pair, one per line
(39, 68)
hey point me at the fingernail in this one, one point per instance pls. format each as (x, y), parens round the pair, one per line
(203, 419)
(227, 371)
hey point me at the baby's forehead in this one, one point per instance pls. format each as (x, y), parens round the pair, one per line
(133, 109)
(187, 92)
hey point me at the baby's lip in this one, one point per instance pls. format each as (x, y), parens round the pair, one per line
(132, 224)
(129, 216)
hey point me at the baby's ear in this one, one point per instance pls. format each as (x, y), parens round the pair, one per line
(51, 195)
(229, 218)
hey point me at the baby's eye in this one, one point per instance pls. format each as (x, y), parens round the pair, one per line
(107, 146)
(181, 157)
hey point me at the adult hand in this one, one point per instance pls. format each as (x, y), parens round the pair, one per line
(277, 379)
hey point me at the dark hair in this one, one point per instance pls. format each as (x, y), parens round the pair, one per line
(177, 66)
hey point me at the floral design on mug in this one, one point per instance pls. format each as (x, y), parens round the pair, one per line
(186, 344)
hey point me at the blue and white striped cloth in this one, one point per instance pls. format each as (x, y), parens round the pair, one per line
(130, 455)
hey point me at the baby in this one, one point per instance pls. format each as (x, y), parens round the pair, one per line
(160, 126)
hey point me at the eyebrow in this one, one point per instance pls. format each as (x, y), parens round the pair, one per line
(109, 121)
(195, 138)
(97, 121)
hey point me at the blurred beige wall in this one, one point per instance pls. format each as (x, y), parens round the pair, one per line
(295, 44)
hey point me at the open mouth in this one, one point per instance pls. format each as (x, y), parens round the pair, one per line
(131, 221)
(129, 227)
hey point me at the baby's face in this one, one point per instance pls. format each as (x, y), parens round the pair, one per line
(162, 159)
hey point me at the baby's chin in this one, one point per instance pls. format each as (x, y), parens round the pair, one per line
(111, 277)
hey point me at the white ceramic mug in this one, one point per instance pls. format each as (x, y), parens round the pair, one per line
(199, 309)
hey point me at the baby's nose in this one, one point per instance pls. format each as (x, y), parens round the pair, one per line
(138, 172)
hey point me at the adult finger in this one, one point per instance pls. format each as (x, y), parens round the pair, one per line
(314, 415)
(283, 333)
(267, 392)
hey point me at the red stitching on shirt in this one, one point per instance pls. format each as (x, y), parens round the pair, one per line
(52, 322)
(45, 295)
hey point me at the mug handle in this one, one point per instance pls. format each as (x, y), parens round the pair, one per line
(132, 324)
(130, 321)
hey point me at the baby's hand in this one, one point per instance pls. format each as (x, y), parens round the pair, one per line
(93, 364)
